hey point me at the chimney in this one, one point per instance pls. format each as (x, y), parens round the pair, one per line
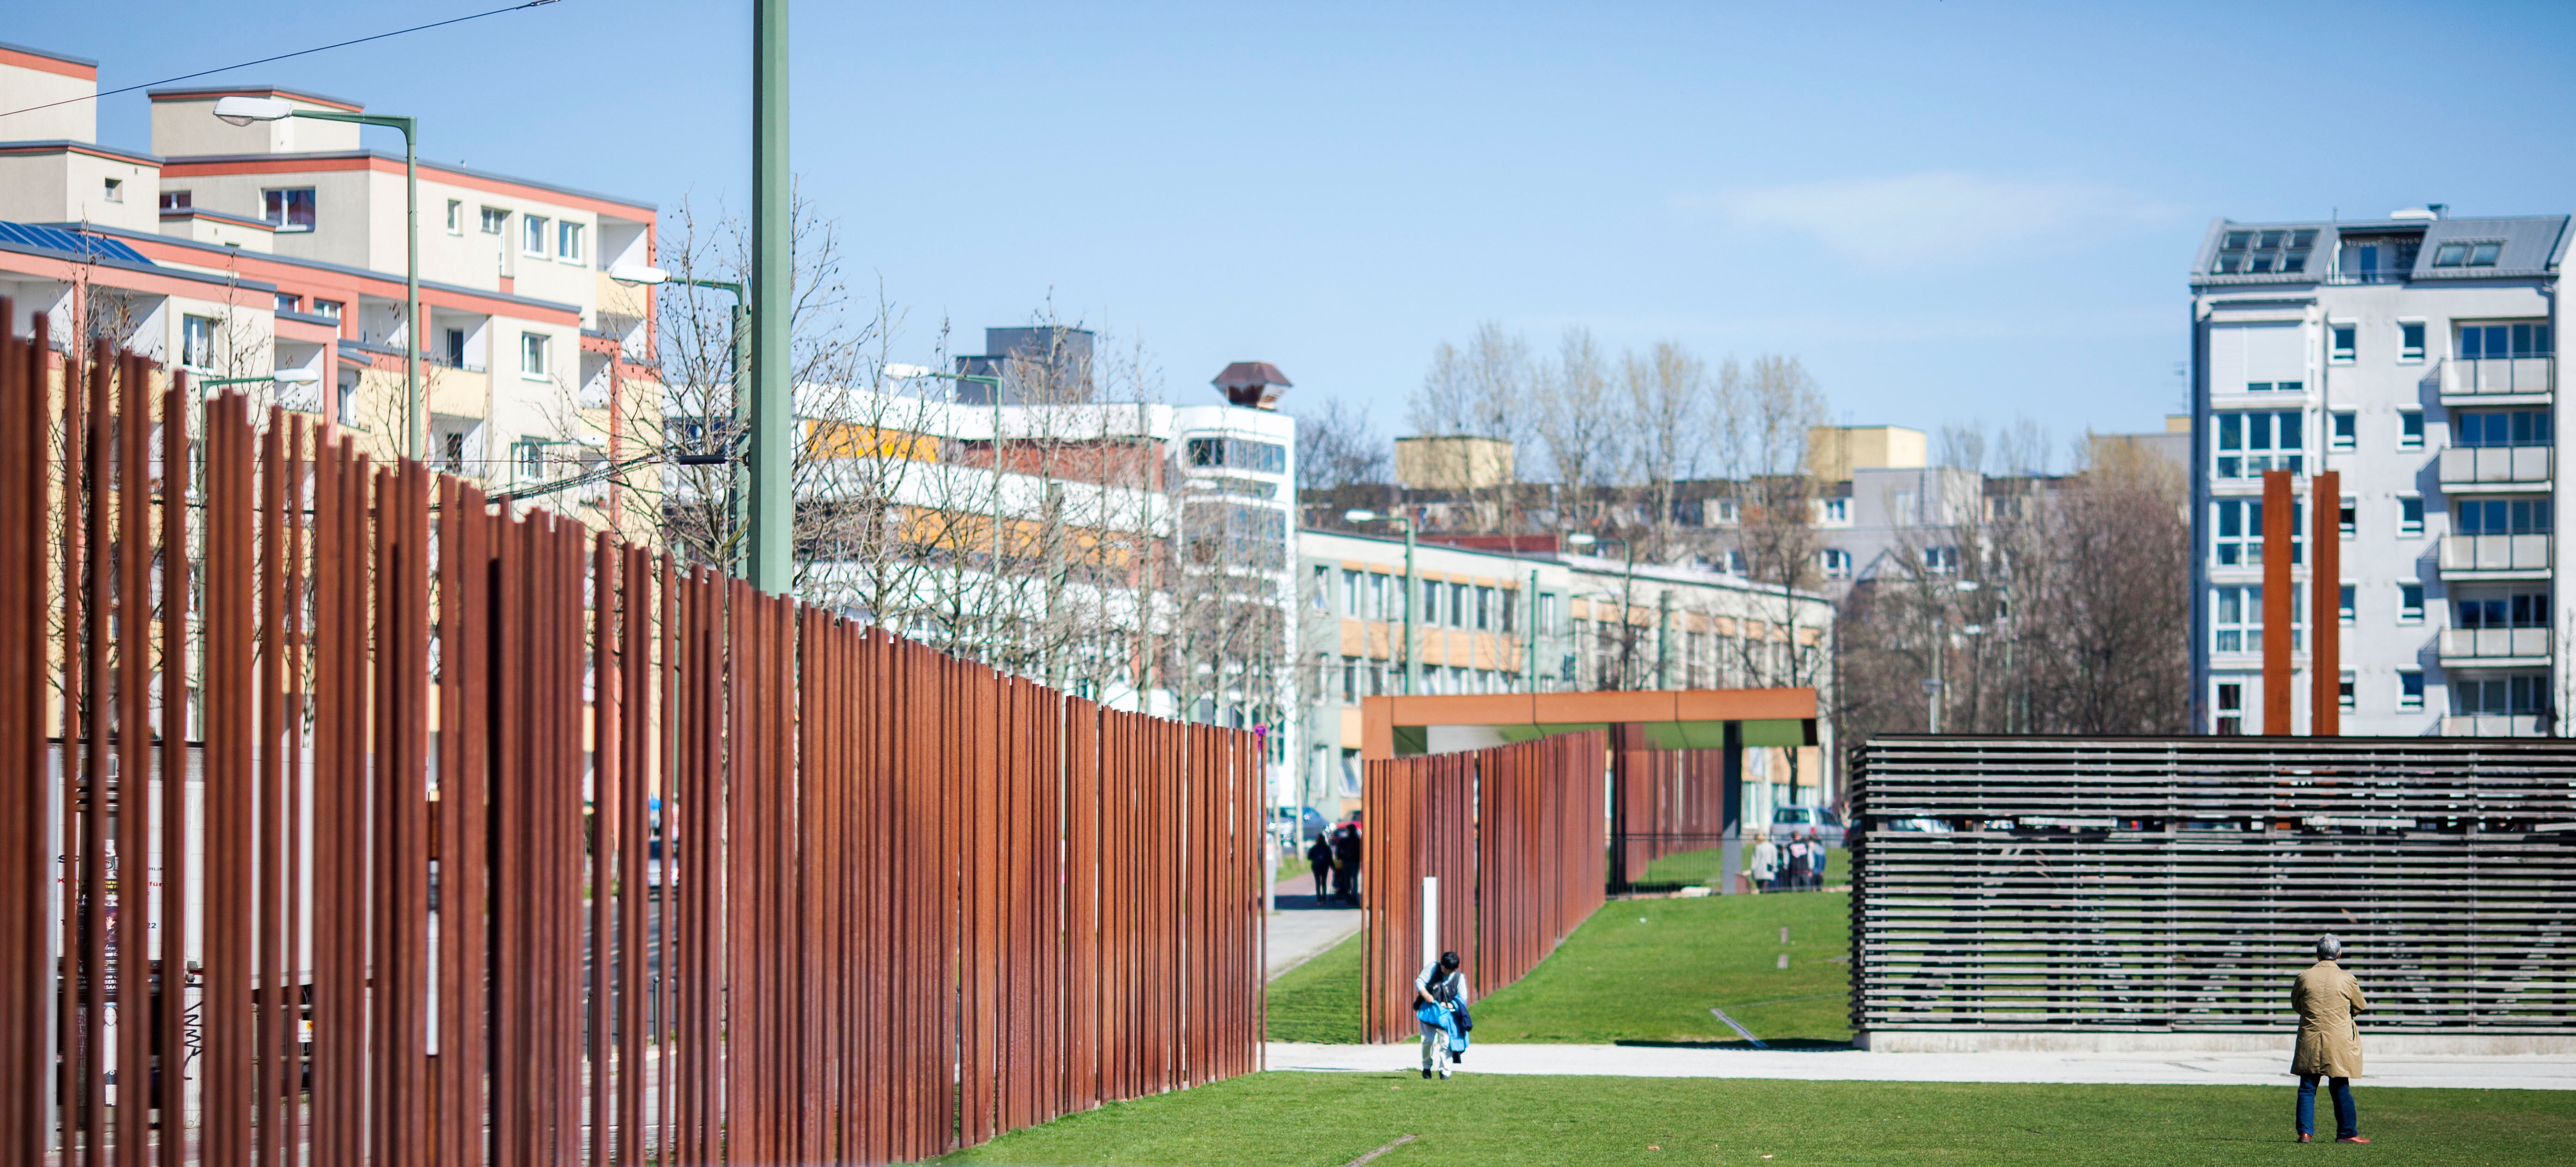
(1252, 384)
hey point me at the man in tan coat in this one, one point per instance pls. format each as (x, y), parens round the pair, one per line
(2329, 1043)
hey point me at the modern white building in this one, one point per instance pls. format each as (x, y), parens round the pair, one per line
(2416, 356)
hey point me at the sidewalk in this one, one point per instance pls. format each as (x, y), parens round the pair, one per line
(2527, 1072)
(1302, 929)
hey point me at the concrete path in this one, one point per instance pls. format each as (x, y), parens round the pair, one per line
(2526, 1072)
(1302, 929)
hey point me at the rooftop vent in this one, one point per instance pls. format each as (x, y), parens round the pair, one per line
(1253, 384)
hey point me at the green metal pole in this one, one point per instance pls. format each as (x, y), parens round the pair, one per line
(1664, 640)
(737, 474)
(773, 406)
(418, 407)
(1412, 596)
(1529, 633)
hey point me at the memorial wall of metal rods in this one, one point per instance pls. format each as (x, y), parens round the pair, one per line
(498, 841)
(1669, 801)
(1518, 838)
(2180, 883)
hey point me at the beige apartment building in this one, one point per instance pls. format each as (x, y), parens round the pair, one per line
(279, 246)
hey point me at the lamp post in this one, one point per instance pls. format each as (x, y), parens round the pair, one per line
(637, 275)
(1412, 659)
(242, 111)
(773, 407)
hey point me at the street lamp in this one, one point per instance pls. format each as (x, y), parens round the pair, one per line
(1412, 659)
(640, 276)
(242, 111)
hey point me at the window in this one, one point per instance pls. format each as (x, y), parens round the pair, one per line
(1350, 592)
(494, 219)
(177, 200)
(2497, 342)
(115, 192)
(2378, 259)
(2346, 429)
(2469, 253)
(530, 460)
(2503, 516)
(2410, 688)
(196, 341)
(455, 216)
(2410, 429)
(1511, 613)
(347, 414)
(1546, 613)
(2259, 357)
(2344, 338)
(532, 355)
(2500, 695)
(1431, 604)
(455, 348)
(1323, 588)
(2240, 532)
(1376, 596)
(2237, 618)
(1727, 512)
(568, 242)
(1734, 561)
(1238, 454)
(1940, 560)
(2410, 515)
(2410, 340)
(1484, 609)
(2526, 610)
(2410, 603)
(330, 308)
(2343, 603)
(289, 209)
(1837, 510)
(2259, 252)
(455, 446)
(2343, 691)
(289, 302)
(2500, 427)
(2231, 708)
(2348, 516)
(2253, 441)
(1350, 680)
(532, 234)
(1836, 562)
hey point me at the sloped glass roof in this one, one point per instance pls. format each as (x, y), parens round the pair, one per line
(71, 243)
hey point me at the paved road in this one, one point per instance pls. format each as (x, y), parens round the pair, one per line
(2529, 1072)
(1302, 929)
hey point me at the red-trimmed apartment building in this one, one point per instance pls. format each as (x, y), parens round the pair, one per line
(236, 251)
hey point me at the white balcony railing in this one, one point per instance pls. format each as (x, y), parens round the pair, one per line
(2465, 378)
(2474, 553)
(2470, 644)
(2468, 465)
(2496, 725)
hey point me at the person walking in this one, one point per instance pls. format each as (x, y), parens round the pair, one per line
(1766, 862)
(1347, 847)
(1815, 861)
(2329, 1042)
(1440, 1004)
(1319, 862)
(1797, 863)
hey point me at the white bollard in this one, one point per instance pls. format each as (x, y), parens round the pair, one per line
(1430, 919)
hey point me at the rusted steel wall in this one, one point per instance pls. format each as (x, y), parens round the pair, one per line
(1517, 836)
(348, 818)
(1667, 801)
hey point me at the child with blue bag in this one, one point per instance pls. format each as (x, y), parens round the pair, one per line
(1440, 1003)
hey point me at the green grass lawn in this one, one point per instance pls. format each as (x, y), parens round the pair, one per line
(1648, 970)
(1326, 1120)
(1704, 868)
(1320, 999)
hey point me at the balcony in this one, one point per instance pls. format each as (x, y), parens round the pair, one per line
(2468, 557)
(2494, 648)
(2489, 381)
(2496, 725)
(2473, 469)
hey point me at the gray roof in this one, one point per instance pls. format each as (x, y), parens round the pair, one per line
(2533, 245)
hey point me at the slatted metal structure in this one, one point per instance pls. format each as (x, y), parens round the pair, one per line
(346, 817)
(1518, 838)
(2178, 884)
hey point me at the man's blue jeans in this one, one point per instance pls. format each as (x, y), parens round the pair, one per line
(2347, 1122)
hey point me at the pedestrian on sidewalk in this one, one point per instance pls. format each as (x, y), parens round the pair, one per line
(1440, 1004)
(1797, 862)
(1815, 861)
(1766, 861)
(1319, 862)
(1347, 846)
(2329, 1041)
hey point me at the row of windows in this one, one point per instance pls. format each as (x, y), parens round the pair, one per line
(1379, 678)
(2236, 529)
(1371, 595)
(2249, 442)
(2237, 612)
(2286, 251)
(2510, 695)
(1238, 454)
(2476, 342)
(539, 236)
(198, 349)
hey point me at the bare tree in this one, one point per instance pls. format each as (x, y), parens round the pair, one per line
(1577, 420)
(1337, 446)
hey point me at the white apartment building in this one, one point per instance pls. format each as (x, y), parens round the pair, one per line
(2415, 356)
(235, 251)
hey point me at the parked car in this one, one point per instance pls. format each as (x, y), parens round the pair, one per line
(1304, 820)
(1930, 825)
(1798, 820)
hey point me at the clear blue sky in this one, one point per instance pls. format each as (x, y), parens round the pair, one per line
(1949, 210)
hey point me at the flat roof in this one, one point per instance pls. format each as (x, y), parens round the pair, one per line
(33, 51)
(197, 91)
(425, 165)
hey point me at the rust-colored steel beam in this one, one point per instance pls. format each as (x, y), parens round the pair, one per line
(2325, 610)
(2279, 531)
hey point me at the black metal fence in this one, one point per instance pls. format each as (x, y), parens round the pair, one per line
(2173, 884)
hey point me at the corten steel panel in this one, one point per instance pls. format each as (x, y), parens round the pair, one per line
(2278, 533)
(2216, 864)
(2325, 605)
(25, 799)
